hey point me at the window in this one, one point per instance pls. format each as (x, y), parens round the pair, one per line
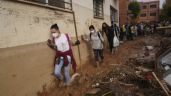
(65, 4)
(144, 7)
(98, 8)
(143, 15)
(57, 3)
(153, 14)
(38, 1)
(153, 6)
(113, 14)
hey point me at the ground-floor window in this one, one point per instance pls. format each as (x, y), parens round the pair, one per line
(98, 9)
(114, 14)
(65, 4)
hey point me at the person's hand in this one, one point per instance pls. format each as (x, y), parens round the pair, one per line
(49, 41)
(50, 44)
(77, 42)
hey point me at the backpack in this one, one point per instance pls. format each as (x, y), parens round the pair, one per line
(98, 36)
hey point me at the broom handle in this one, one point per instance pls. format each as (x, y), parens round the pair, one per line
(160, 84)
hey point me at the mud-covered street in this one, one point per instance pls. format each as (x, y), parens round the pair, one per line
(125, 73)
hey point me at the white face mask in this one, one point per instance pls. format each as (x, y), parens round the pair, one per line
(92, 31)
(55, 35)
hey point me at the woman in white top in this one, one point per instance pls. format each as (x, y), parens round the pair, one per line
(64, 56)
(97, 41)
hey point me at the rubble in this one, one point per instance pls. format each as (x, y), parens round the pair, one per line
(125, 80)
(134, 78)
(150, 47)
(93, 91)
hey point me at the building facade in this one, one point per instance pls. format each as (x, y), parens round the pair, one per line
(26, 62)
(149, 11)
(123, 12)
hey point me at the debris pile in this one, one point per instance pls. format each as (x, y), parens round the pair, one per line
(125, 81)
(131, 79)
(145, 58)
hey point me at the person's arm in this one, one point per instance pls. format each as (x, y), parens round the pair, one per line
(101, 37)
(85, 38)
(118, 31)
(77, 42)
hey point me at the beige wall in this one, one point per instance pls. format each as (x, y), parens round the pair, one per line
(26, 24)
(85, 18)
(26, 63)
(25, 69)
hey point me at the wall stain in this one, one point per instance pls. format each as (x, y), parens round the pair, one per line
(36, 19)
(59, 15)
(70, 21)
(88, 22)
(13, 12)
(16, 30)
(14, 75)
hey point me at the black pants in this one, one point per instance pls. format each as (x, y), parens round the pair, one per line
(111, 43)
(98, 53)
(143, 32)
(122, 36)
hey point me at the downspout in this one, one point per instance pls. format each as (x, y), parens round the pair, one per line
(76, 32)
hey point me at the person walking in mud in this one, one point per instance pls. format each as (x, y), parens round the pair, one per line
(115, 33)
(64, 56)
(106, 30)
(133, 31)
(96, 40)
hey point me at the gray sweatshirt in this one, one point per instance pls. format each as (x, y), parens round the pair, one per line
(96, 42)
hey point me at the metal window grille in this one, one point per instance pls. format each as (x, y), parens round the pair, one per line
(114, 14)
(98, 8)
(65, 4)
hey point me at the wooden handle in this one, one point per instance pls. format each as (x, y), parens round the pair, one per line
(167, 94)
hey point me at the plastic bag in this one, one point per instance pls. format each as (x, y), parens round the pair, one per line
(115, 41)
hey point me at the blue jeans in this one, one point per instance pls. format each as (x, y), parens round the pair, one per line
(98, 53)
(58, 68)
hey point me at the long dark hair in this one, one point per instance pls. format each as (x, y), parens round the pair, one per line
(106, 27)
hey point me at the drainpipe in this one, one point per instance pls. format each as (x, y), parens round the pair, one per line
(76, 32)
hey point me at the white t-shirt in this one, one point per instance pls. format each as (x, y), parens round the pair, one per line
(62, 43)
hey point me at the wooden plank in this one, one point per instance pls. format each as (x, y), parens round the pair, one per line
(167, 94)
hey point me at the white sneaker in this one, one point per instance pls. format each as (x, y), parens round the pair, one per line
(74, 78)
